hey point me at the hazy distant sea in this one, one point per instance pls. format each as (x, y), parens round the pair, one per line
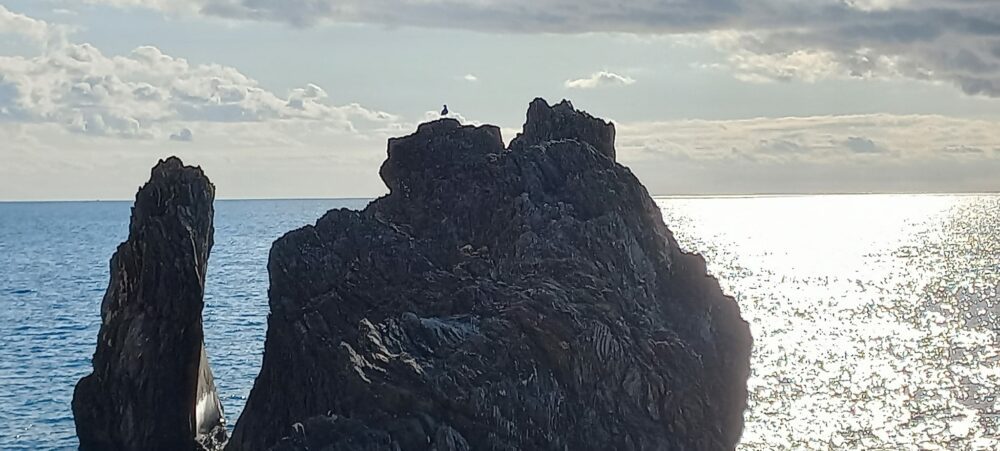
(876, 317)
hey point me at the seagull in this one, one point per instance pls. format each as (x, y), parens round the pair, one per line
(444, 112)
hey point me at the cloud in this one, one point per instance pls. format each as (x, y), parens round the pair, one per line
(562, 16)
(780, 146)
(71, 114)
(35, 30)
(953, 41)
(957, 42)
(470, 78)
(862, 145)
(184, 135)
(860, 153)
(599, 79)
(821, 139)
(287, 158)
(435, 115)
(131, 96)
(962, 150)
(74, 96)
(308, 158)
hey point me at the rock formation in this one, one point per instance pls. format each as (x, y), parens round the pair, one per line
(151, 388)
(528, 297)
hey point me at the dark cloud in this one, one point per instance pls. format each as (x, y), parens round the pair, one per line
(957, 41)
(862, 145)
(947, 41)
(184, 135)
(543, 16)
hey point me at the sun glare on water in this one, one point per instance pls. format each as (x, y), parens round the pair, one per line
(875, 317)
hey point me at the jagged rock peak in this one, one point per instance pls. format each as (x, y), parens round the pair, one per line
(562, 121)
(444, 148)
(151, 387)
(176, 195)
(497, 299)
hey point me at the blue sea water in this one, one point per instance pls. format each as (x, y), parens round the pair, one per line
(876, 318)
(53, 272)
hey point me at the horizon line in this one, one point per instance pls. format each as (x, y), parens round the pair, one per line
(654, 196)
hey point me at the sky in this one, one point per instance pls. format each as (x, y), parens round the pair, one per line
(296, 98)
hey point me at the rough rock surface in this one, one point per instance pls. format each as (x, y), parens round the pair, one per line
(498, 298)
(562, 121)
(151, 388)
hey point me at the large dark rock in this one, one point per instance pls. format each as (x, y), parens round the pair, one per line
(521, 298)
(151, 388)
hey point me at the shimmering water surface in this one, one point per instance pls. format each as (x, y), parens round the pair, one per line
(875, 317)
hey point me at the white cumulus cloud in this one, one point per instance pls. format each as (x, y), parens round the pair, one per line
(35, 30)
(129, 96)
(599, 79)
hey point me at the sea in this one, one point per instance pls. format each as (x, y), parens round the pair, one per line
(876, 318)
